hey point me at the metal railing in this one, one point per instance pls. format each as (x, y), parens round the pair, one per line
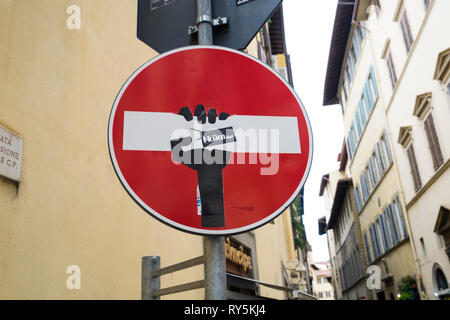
(152, 272)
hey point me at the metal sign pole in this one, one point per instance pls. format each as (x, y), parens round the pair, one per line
(215, 278)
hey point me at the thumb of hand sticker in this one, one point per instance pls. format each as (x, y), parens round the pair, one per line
(201, 152)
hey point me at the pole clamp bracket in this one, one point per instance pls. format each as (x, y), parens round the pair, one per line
(204, 18)
(220, 21)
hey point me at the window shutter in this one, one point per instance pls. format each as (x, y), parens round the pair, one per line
(393, 225)
(400, 217)
(392, 73)
(379, 163)
(387, 147)
(362, 113)
(364, 188)
(369, 95)
(373, 236)
(414, 168)
(374, 81)
(358, 123)
(366, 242)
(406, 30)
(357, 199)
(379, 232)
(385, 219)
(384, 235)
(383, 163)
(433, 142)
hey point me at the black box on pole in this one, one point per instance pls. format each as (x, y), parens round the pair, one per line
(164, 24)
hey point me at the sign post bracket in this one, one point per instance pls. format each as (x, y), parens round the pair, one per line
(220, 21)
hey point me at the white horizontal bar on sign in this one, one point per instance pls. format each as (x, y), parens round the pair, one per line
(150, 131)
(153, 131)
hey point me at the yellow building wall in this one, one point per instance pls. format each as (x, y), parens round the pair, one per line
(274, 241)
(274, 246)
(57, 87)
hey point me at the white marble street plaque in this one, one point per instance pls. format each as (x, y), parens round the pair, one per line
(10, 154)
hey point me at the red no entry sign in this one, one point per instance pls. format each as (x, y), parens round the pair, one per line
(210, 140)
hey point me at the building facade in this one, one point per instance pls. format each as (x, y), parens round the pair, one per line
(321, 281)
(411, 55)
(389, 70)
(343, 230)
(62, 63)
(384, 57)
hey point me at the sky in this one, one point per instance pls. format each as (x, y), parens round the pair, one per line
(308, 29)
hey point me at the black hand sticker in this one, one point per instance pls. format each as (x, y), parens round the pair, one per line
(208, 163)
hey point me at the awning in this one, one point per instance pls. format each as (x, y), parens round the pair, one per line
(341, 32)
(341, 190)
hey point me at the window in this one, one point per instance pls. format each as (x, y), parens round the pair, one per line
(372, 83)
(344, 98)
(365, 191)
(383, 231)
(406, 31)
(353, 57)
(365, 99)
(369, 96)
(378, 160)
(359, 124)
(414, 168)
(375, 241)
(433, 142)
(358, 201)
(387, 230)
(399, 212)
(357, 44)
(440, 279)
(352, 139)
(347, 79)
(371, 175)
(379, 232)
(374, 168)
(395, 222)
(391, 68)
(347, 141)
(352, 60)
(377, 165)
(362, 113)
(392, 225)
(386, 149)
(366, 242)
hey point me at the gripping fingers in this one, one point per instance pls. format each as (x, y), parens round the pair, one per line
(212, 116)
(200, 113)
(186, 113)
(223, 116)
